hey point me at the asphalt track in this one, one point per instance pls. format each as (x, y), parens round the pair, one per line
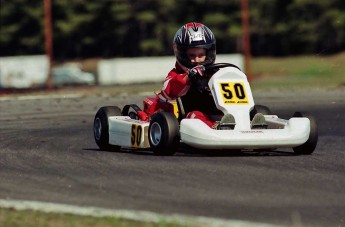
(47, 153)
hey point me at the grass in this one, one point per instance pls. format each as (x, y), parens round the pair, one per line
(299, 71)
(15, 218)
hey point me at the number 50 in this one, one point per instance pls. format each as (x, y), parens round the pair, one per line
(136, 135)
(228, 90)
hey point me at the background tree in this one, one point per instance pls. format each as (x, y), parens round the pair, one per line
(127, 28)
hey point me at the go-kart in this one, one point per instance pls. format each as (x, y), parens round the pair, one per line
(161, 126)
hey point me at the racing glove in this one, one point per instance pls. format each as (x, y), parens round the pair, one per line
(195, 71)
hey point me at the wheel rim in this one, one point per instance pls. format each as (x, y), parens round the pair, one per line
(155, 133)
(97, 128)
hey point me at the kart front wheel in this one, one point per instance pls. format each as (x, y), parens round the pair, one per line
(164, 133)
(101, 127)
(309, 146)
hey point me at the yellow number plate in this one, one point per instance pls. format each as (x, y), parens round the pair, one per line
(233, 93)
(136, 135)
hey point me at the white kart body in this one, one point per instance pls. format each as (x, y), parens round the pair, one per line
(232, 95)
(127, 132)
(295, 132)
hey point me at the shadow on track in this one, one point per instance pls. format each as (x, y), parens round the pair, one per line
(192, 152)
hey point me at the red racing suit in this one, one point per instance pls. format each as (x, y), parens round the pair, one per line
(195, 95)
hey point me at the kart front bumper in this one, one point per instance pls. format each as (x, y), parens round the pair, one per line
(197, 134)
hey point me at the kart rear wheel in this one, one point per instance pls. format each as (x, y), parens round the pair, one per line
(309, 146)
(164, 133)
(260, 109)
(101, 127)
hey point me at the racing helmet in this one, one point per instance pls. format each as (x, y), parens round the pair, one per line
(194, 35)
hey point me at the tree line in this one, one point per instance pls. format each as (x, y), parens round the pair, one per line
(128, 28)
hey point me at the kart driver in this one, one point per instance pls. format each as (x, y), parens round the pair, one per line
(194, 47)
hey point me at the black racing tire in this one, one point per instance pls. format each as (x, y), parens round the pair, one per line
(309, 146)
(260, 109)
(164, 133)
(101, 127)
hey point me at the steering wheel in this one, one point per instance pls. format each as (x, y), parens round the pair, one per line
(220, 65)
(202, 82)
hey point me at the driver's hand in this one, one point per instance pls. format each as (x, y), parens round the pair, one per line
(196, 71)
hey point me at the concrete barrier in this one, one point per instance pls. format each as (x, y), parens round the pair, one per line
(30, 71)
(146, 69)
(23, 71)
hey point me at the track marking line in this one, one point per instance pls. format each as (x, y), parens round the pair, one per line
(36, 97)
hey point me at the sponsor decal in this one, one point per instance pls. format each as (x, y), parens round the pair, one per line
(252, 131)
(131, 120)
(148, 101)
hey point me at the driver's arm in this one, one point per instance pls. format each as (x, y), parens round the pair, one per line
(175, 85)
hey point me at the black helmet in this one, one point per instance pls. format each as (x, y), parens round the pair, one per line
(194, 35)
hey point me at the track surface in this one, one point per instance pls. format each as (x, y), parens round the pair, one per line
(47, 153)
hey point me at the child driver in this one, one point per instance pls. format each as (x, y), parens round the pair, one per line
(194, 47)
